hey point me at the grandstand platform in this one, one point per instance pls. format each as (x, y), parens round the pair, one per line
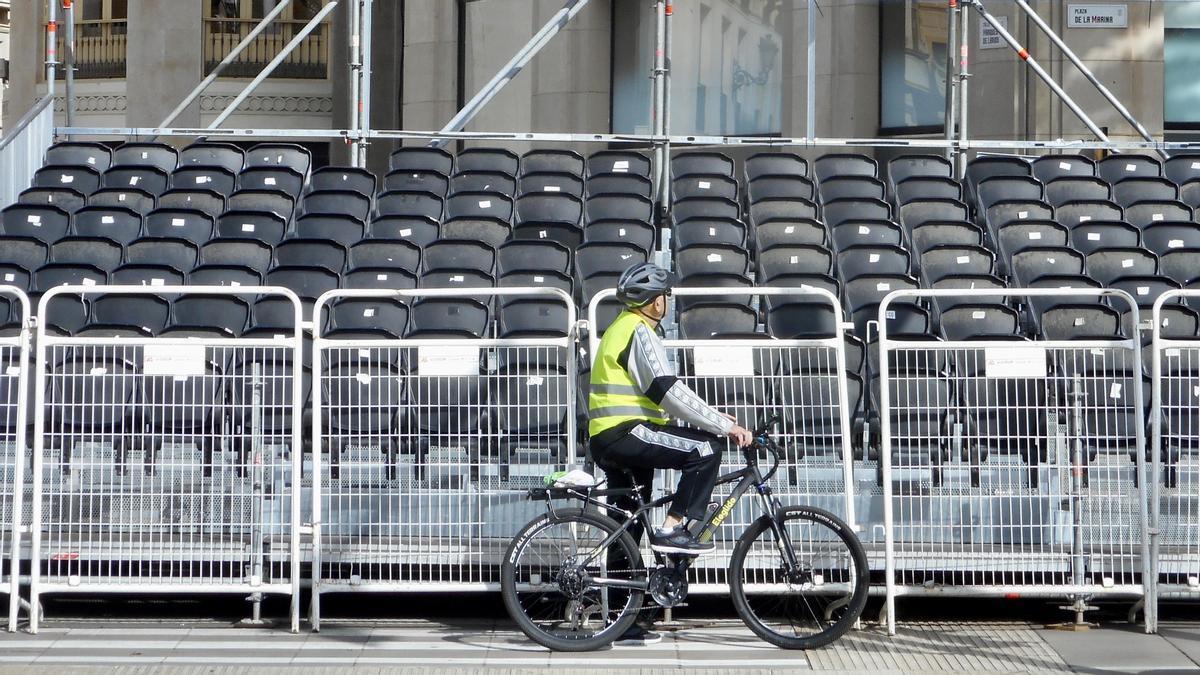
(698, 646)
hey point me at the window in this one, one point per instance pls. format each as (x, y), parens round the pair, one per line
(727, 61)
(912, 69)
(227, 22)
(1181, 59)
(100, 30)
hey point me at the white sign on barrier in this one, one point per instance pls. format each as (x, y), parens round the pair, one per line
(448, 360)
(174, 360)
(1097, 16)
(723, 361)
(1010, 362)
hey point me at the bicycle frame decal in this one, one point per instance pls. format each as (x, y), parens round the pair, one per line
(720, 516)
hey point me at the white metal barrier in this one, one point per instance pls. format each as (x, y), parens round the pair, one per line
(1013, 467)
(14, 457)
(803, 381)
(23, 149)
(1175, 454)
(166, 464)
(425, 445)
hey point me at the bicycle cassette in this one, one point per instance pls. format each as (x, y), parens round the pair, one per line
(668, 586)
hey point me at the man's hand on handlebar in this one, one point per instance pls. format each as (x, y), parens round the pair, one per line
(740, 435)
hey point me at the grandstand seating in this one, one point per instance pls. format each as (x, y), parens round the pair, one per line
(216, 215)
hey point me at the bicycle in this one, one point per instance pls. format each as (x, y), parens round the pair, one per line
(573, 579)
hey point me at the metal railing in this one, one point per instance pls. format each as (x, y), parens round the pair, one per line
(310, 60)
(23, 149)
(424, 446)
(803, 381)
(166, 464)
(14, 455)
(1013, 466)
(100, 47)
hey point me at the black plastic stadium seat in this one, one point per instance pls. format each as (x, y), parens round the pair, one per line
(262, 200)
(94, 155)
(396, 254)
(1077, 188)
(207, 201)
(282, 179)
(120, 225)
(343, 178)
(484, 181)
(498, 160)
(336, 202)
(64, 198)
(1095, 235)
(552, 161)
(104, 254)
(457, 254)
(775, 164)
(158, 155)
(1144, 189)
(200, 177)
(533, 256)
(1073, 213)
(81, 178)
(422, 159)
(417, 181)
(229, 157)
(178, 253)
(634, 232)
(424, 204)
(1143, 214)
(770, 186)
(551, 183)
(265, 226)
(147, 178)
(1116, 168)
(1109, 264)
(618, 184)
(1053, 167)
(343, 229)
(191, 224)
(704, 185)
(285, 155)
(618, 161)
(322, 253)
(420, 230)
(45, 223)
(252, 254)
(838, 164)
(701, 163)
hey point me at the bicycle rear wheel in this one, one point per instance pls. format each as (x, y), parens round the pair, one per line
(808, 605)
(549, 589)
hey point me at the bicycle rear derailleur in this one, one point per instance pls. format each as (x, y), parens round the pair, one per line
(669, 585)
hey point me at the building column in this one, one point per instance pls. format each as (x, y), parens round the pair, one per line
(27, 37)
(430, 64)
(572, 76)
(165, 57)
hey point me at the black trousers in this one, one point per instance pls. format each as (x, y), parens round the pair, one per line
(645, 447)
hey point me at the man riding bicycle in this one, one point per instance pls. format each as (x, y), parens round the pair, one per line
(634, 395)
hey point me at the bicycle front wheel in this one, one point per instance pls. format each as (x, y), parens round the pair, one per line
(562, 590)
(800, 581)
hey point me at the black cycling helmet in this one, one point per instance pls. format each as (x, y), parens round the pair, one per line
(641, 284)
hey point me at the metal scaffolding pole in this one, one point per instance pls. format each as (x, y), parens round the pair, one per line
(1037, 69)
(366, 26)
(668, 13)
(660, 84)
(951, 81)
(355, 61)
(279, 58)
(1087, 73)
(810, 103)
(514, 66)
(964, 74)
(51, 45)
(233, 54)
(69, 67)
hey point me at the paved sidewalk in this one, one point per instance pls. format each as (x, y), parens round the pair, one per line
(716, 646)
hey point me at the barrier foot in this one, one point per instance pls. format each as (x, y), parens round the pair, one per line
(255, 612)
(1139, 606)
(1079, 606)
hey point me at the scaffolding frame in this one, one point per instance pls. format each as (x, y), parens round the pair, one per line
(956, 141)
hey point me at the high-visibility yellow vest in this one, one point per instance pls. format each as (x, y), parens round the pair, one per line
(614, 397)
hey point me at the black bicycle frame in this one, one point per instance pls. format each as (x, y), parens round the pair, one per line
(747, 477)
